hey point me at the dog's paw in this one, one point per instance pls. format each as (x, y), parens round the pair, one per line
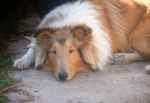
(147, 69)
(22, 63)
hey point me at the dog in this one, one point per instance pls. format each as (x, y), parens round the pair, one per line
(86, 34)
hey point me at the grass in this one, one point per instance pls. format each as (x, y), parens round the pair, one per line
(5, 82)
(3, 99)
(5, 58)
(5, 63)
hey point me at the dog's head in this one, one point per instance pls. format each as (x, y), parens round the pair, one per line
(66, 50)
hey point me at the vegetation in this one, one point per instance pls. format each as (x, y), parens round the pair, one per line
(5, 82)
(5, 58)
(5, 63)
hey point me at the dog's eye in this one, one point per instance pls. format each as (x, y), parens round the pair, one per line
(71, 51)
(53, 51)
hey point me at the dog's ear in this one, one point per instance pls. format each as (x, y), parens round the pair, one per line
(89, 55)
(83, 40)
(43, 39)
(82, 32)
(81, 35)
(43, 34)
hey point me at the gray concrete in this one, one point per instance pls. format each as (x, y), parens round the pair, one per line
(117, 84)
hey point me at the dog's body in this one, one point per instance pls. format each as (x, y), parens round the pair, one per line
(85, 34)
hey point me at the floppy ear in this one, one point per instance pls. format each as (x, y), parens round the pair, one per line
(89, 55)
(43, 34)
(43, 38)
(82, 33)
(83, 36)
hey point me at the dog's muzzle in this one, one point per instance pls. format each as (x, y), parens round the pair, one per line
(63, 75)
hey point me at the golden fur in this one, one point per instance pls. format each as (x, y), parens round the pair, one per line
(65, 50)
(128, 24)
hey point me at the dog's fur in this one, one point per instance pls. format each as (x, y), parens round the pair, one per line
(84, 34)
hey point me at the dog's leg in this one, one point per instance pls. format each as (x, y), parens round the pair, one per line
(25, 61)
(124, 58)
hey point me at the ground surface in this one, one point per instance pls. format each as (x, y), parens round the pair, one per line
(117, 84)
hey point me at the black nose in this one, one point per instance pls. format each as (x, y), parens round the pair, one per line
(62, 75)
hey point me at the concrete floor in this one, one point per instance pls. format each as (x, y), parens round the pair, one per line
(117, 84)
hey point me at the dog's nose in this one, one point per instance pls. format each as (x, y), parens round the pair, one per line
(62, 75)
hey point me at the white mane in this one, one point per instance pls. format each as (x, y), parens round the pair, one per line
(78, 13)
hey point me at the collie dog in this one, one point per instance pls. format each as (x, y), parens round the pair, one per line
(83, 35)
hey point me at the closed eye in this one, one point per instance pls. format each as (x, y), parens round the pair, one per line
(71, 51)
(52, 51)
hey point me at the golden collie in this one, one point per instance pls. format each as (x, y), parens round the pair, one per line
(84, 35)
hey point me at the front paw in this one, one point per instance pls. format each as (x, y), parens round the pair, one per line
(22, 63)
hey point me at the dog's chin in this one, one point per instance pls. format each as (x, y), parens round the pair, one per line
(68, 79)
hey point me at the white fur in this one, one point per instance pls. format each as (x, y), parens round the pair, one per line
(82, 13)
(78, 13)
(28, 59)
